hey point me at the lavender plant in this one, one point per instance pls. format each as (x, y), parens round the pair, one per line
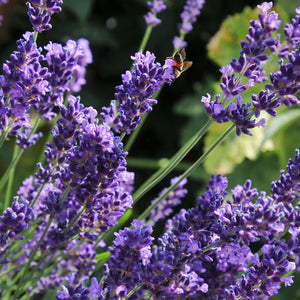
(54, 235)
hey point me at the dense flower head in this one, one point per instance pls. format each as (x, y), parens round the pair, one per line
(238, 245)
(259, 35)
(265, 101)
(85, 186)
(131, 252)
(134, 96)
(40, 12)
(292, 34)
(239, 113)
(287, 188)
(67, 64)
(91, 164)
(189, 15)
(285, 82)
(27, 86)
(23, 74)
(71, 290)
(14, 221)
(165, 207)
(213, 243)
(259, 38)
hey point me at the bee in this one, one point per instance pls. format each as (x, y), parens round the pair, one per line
(180, 65)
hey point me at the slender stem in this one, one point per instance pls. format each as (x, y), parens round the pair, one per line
(14, 162)
(174, 161)
(134, 134)
(3, 136)
(24, 273)
(11, 166)
(40, 190)
(145, 38)
(74, 220)
(10, 181)
(134, 290)
(146, 213)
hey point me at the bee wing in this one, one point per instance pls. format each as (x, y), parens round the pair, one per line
(178, 58)
(183, 54)
(186, 65)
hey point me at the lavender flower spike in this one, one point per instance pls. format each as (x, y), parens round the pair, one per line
(40, 12)
(156, 6)
(134, 95)
(249, 65)
(189, 16)
(165, 207)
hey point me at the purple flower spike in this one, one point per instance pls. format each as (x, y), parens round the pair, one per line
(292, 35)
(79, 291)
(285, 82)
(14, 221)
(40, 12)
(131, 253)
(287, 188)
(266, 101)
(135, 94)
(165, 207)
(156, 6)
(189, 16)
(249, 65)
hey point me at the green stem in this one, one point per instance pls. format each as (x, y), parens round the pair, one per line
(4, 136)
(145, 38)
(134, 134)
(11, 166)
(146, 213)
(74, 220)
(134, 290)
(174, 161)
(23, 274)
(14, 162)
(10, 181)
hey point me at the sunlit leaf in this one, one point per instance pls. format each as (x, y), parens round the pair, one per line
(225, 44)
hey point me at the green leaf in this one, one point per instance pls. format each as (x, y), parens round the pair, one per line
(287, 7)
(261, 172)
(280, 123)
(286, 141)
(233, 150)
(81, 9)
(189, 105)
(225, 44)
(103, 256)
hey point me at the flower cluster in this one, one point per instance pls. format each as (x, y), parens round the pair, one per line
(165, 207)
(156, 6)
(14, 221)
(133, 97)
(84, 186)
(40, 12)
(28, 86)
(71, 292)
(212, 244)
(249, 65)
(188, 16)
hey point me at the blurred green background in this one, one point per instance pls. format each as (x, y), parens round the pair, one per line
(115, 30)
